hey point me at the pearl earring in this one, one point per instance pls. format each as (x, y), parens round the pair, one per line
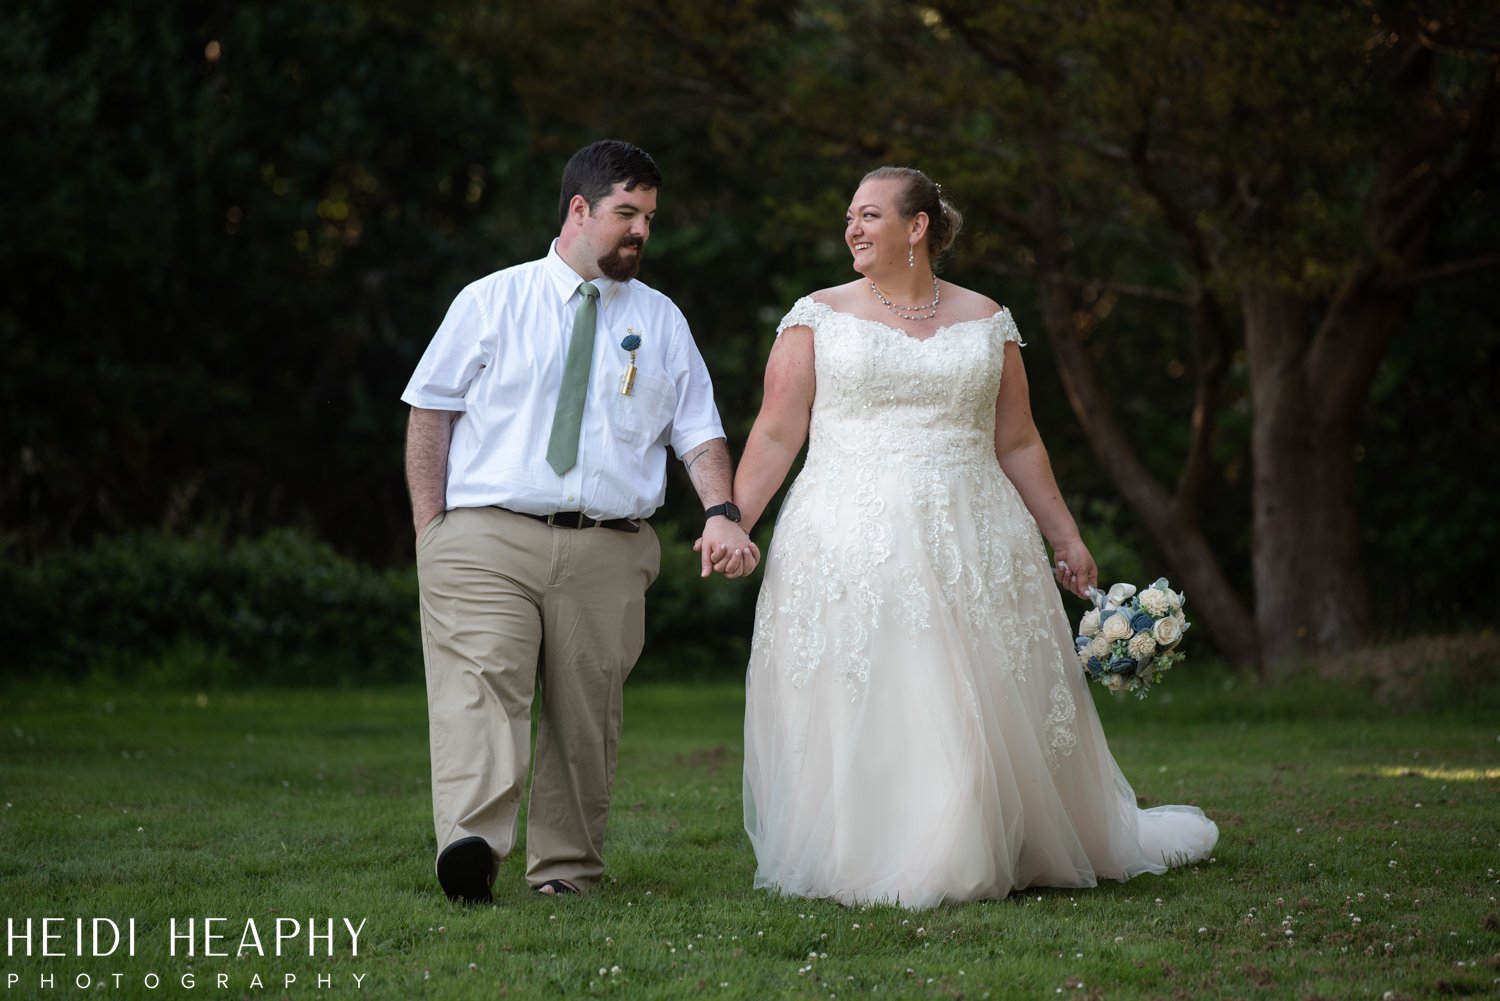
(911, 257)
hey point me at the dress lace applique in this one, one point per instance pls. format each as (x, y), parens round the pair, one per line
(1061, 738)
(911, 650)
(892, 411)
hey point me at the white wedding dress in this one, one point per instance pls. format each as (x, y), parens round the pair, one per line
(917, 727)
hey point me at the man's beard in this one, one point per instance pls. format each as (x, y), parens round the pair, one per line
(616, 266)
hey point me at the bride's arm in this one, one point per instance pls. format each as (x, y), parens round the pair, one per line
(1023, 457)
(781, 426)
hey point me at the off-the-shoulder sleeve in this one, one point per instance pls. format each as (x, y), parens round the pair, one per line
(1008, 329)
(804, 313)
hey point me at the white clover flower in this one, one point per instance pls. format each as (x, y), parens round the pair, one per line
(1153, 601)
(1141, 646)
(1166, 631)
(1099, 647)
(1117, 628)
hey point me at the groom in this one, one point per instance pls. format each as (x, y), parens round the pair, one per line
(536, 450)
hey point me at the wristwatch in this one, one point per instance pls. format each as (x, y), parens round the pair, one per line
(727, 509)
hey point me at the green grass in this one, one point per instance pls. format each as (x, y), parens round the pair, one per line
(1358, 856)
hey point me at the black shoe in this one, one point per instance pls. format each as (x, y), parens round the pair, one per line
(463, 870)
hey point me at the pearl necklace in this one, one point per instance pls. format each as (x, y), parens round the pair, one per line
(925, 311)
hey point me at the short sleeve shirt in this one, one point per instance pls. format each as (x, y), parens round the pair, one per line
(497, 359)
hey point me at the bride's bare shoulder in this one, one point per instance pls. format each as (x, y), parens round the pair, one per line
(838, 297)
(967, 304)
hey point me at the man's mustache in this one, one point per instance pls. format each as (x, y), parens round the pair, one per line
(633, 241)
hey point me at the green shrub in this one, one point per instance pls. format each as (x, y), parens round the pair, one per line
(283, 608)
(288, 609)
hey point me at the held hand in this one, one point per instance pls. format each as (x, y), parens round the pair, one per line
(708, 556)
(1075, 567)
(719, 559)
(735, 562)
(726, 549)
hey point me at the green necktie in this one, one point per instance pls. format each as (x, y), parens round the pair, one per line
(562, 446)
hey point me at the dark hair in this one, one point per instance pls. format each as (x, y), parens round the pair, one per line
(594, 171)
(922, 194)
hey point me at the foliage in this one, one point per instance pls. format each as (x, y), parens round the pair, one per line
(283, 608)
(217, 272)
(1356, 856)
(287, 608)
(230, 230)
(1430, 431)
(1156, 164)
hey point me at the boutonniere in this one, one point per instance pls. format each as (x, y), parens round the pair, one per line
(631, 343)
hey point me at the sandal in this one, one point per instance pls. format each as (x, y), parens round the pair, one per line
(558, 888)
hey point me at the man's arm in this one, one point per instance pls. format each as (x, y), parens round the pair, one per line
(428, 435)
(724, 545)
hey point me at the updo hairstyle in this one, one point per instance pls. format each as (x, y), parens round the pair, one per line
(920, 193)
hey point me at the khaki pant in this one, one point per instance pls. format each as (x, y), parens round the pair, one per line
(509, 602)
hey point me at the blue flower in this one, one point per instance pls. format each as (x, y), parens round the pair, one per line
(1121, 665)
(631, 342)
(1141, 621)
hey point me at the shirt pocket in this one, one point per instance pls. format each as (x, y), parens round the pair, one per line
(641, 417)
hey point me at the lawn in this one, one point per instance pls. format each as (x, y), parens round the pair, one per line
(1358, 859)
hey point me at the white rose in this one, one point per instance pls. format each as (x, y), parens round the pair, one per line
(1154, 602)
(1114, 682)
(1089, 624)
(1175, 600)
(1142, 646)
(1167, 631)
(1098, 647)
(1117, 628)
(1118, 595)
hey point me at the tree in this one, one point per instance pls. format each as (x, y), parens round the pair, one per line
(229, 231)
(1256, 185)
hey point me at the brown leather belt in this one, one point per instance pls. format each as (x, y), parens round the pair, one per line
(577, 519)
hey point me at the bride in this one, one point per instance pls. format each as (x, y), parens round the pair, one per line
(917, 727)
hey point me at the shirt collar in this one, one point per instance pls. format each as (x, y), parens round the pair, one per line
(565, 280)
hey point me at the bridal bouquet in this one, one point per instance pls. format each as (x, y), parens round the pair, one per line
(1130, 637)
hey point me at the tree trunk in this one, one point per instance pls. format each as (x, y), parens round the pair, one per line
(1309, 581)
(1195, 567)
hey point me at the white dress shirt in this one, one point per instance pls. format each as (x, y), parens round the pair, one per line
(498, 359)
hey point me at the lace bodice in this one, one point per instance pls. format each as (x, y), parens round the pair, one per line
(901, 520)
(882, 392)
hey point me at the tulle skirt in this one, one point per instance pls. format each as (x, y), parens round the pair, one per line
(918, 727)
